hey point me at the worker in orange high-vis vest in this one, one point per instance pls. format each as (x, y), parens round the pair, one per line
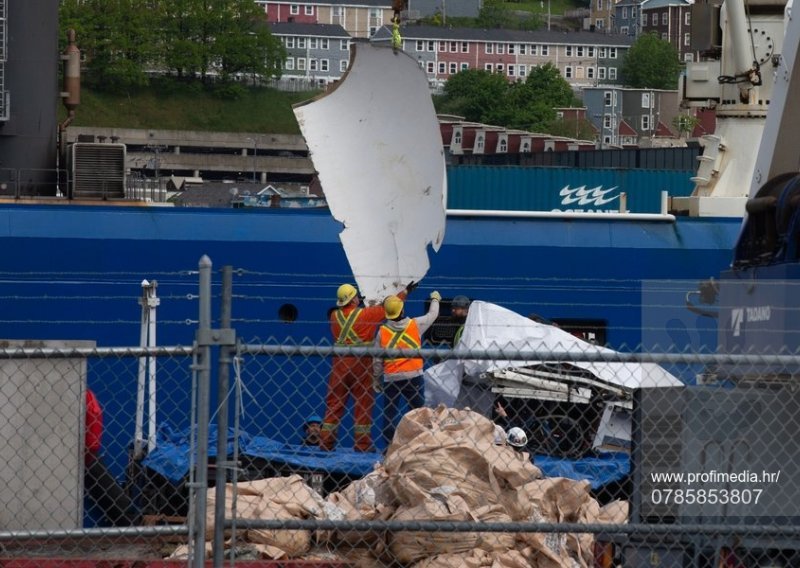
(401, 378)
(352, 325)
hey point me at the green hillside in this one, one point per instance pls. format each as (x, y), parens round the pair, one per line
(177, 106)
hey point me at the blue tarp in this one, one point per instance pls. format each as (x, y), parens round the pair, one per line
(599, 471)
(170, 458)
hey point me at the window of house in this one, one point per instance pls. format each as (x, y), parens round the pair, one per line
(503, 145)
(664, 36)
(601, 72)
(645, 122)
(324, 65)
(420, 45)
(313, 65)
(488, 67)
(612, 52)
(301, 64)
(309, 10)
(606, 139)
(633, 12)
(664, 19)
(579, 51)
(343, 45)
(522, 70)
(624, 12)
(488, 48)
(589, 52)
(339, 15)
(512, 71)
(500, 48)
(290, 42)
(479, 142)
(568, 51)
(431, 45)
(323, 43)
(534, 50)
(645, 100)
(523, 49)
(442, 67)
(599, 5)
(624, 30)
(687, 18)
(606, 121)
(294, 9)
(343, 65)
(612, 73)
(457, 137)
(560, 114)
(600, 24)
(544, 51)
(568, 72)
(687, 39)
(301, 43)
(313, 43)
(606, 97)
(644, 19)
(431, 68)
(453, 67)
(688, 57)
(590, 72)
(526, 146)
(453, 46)
(442, 46)
(289, 65)
(464, 66)
(499, 68)
(511, 49)
(602, 52)
(464, 47)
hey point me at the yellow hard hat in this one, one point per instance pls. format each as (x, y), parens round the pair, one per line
(393, 306)
(345, 294)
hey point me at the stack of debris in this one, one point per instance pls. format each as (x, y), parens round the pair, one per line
(443, 465)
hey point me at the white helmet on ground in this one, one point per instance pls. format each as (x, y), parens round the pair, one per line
(517, 437)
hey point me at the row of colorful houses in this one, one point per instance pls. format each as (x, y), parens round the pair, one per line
(319, 54)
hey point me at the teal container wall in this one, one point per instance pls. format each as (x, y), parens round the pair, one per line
(563, 189)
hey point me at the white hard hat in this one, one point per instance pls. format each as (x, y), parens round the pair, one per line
(499, 435)
(517, 437)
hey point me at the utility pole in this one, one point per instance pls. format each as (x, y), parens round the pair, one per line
(255, 153)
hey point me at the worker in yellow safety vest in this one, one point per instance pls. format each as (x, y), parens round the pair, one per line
(401, 378)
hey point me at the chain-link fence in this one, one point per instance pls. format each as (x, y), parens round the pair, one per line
(512, 443)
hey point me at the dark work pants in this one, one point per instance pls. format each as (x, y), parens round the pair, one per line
(412, 390)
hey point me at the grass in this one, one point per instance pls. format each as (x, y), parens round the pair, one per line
(171, 105)
(557, 7)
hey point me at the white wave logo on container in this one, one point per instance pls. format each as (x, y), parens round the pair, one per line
(589, 199)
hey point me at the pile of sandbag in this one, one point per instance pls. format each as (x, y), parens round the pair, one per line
(443, 465)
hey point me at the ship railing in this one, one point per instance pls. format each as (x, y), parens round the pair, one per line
(33, 183)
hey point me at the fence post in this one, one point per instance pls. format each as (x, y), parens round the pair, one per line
(222, 463)
(203, 395)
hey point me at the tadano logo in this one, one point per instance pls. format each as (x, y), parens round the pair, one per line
(737, 317)
(587, 196)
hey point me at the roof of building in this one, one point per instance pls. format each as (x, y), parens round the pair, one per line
(509, 36)
(653, 4)
(348, 3)
(320, 30)
(664, 131)
(623, 3)
(626, 129)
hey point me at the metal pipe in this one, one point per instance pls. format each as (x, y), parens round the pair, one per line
(203, 372)
(221, 478)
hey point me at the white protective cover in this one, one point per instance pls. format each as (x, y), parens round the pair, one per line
(490, 326)
(376, 144)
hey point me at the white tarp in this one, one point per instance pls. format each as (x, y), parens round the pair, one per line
(490, 326)
(376, 144)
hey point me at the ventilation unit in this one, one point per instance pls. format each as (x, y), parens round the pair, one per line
(98, 171)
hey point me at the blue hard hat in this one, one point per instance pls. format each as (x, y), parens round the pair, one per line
(314, 418)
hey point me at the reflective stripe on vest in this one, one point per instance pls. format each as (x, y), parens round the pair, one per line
(347, 335)
(407, 338)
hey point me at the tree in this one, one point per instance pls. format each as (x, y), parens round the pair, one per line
(474, 94)
(651, 63)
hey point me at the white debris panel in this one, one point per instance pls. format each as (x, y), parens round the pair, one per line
(375, 142)
(490, 326)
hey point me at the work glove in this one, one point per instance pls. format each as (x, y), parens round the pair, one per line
(377, 385)
(436, 296)
(411, 286)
